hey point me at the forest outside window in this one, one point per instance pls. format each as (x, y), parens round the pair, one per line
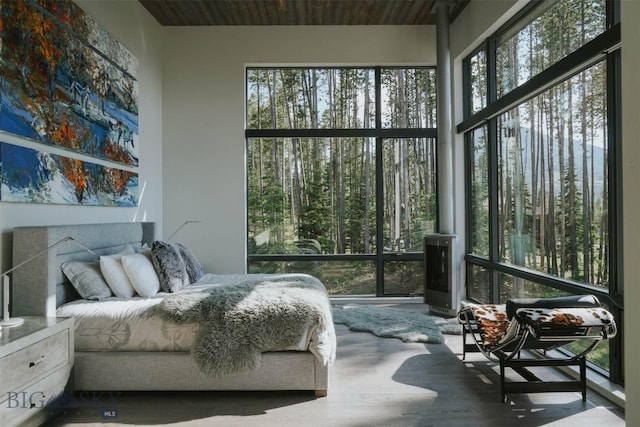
(341, 174)
(546, 35)
(553, 187)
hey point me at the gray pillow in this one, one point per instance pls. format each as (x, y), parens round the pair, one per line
(87, 279)
(194, 268)
(169, 265)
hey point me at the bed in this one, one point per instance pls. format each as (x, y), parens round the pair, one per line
(144, 363)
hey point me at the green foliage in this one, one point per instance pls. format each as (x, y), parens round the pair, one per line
(315, 217)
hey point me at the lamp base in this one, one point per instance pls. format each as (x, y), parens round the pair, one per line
(12, 321)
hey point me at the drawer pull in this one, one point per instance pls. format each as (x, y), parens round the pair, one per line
(38, 404)
(36, 362)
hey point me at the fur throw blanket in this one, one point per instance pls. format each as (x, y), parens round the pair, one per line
(240, 321)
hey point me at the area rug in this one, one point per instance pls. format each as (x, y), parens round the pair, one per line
(388, 322)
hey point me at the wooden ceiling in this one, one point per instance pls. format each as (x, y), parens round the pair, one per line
(298, 12)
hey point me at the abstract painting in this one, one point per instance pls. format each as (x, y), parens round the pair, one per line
(30, 175)
(65, 82)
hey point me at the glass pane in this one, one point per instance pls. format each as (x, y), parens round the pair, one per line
(408, 97)
(310, 98)
(479, 283)
(599, 356)
(515, 287)
(553, 181)
(479, 188)
(478, 82)
(339, 277)
(313, 192)
(409, 166)
(550, 33)
(403, 278)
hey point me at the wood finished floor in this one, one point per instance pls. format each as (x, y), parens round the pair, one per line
(374, 382)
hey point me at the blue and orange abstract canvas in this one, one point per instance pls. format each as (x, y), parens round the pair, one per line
(30, 175)
(65, 82)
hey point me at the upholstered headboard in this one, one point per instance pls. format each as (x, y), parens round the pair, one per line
(39, 287)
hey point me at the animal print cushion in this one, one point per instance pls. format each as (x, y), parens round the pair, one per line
(549, 318)
(494, 325)
(491, 319)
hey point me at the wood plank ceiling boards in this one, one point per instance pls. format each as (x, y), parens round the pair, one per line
(298, 12)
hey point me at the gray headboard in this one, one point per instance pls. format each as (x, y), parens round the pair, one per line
(39, 287)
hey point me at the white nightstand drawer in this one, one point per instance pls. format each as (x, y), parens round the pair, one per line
(33, 361)
(31, 406)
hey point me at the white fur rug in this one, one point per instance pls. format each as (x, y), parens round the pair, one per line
(388, 322)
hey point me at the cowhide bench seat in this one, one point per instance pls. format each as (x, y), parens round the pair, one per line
(502, 331)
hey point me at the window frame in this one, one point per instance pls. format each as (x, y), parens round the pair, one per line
(380, 257)
(604, 47)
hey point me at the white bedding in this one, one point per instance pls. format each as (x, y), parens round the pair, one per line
(132, 324)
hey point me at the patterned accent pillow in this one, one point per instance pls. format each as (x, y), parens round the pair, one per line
(86, 278)
(169, 265)
(194, 268)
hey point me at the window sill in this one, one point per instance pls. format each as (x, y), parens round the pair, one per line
(600, 384)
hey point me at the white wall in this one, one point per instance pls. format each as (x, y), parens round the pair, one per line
(203, 94)
(128, 22)
(479, 19)
(631, 202)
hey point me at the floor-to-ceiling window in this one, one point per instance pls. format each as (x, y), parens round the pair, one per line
(542, 135)
(341, 179)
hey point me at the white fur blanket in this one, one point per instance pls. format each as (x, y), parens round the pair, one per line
(239, 321)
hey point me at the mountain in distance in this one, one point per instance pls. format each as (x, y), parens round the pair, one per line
(595, 151)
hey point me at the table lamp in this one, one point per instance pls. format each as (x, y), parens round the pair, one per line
(7, 320)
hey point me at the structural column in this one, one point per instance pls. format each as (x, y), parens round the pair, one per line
(445, 146)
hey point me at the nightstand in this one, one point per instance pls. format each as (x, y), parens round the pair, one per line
(35, 364)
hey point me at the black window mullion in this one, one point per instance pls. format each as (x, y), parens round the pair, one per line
(345, 133)
(469, 155)
(613, 13)
(379, 187)
(466, 84)
(492, 154)
(494, 238)
(615, 173)
(615, 208)
(492, 85)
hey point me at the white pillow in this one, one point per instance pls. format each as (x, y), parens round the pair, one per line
(139, 269)
(111, 268)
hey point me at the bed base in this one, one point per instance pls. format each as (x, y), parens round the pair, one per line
(176, 371)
